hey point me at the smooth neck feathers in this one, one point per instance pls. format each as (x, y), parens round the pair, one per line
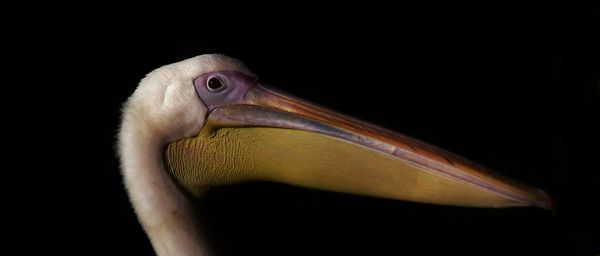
(164, 108)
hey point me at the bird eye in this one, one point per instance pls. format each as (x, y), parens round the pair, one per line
(215, 84)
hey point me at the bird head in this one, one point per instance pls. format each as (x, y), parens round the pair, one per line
(209, 121)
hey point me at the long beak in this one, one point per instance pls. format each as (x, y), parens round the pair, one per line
(268, 135)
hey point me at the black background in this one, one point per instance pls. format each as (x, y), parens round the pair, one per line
(514, 87)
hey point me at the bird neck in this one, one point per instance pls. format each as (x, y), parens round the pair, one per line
(165, 213)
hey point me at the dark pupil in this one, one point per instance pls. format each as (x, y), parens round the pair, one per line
(214, 84)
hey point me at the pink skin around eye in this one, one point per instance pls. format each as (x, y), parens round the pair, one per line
(236, 85)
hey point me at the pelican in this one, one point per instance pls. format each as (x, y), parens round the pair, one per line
(208, 121)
